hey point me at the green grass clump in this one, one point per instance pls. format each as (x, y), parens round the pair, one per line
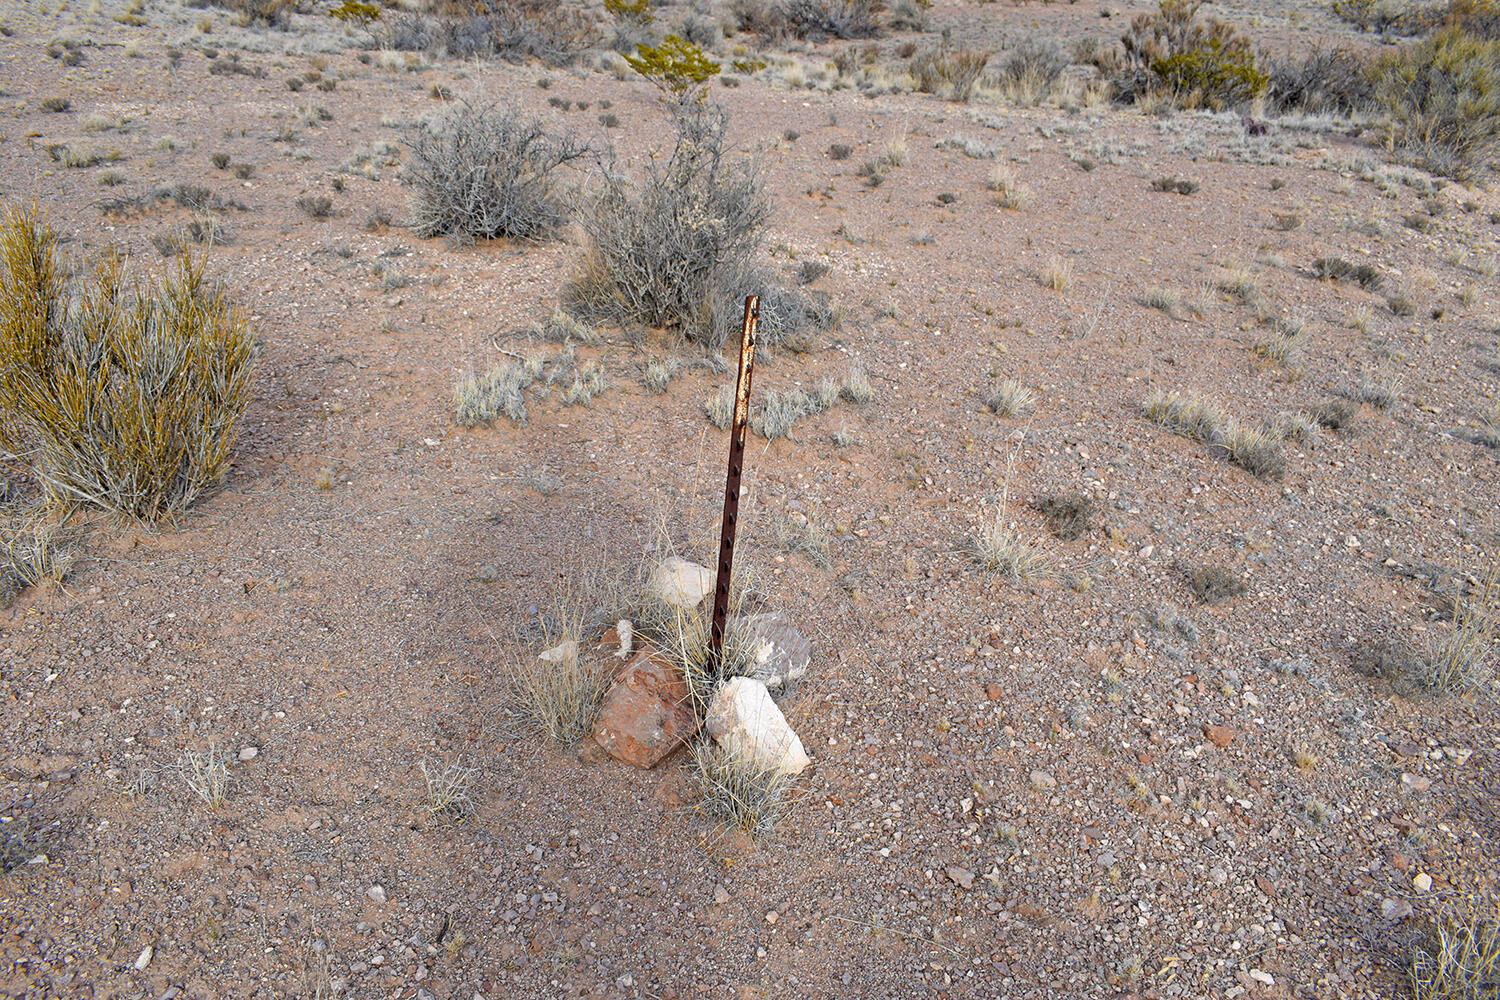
(125, 398)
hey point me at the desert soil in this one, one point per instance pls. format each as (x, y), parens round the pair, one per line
(1012, 792)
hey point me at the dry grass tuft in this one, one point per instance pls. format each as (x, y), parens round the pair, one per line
(1257, 451)
(737, 794)
(1011, 399)
(125, 399)
(1057, 275)
(206, 776)
(448, 791)
(1008, 192)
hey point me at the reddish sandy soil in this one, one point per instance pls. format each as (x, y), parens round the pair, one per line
(1012, 793)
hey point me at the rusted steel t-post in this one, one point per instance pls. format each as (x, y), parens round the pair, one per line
(737, 431)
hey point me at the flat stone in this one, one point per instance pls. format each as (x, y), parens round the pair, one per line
(993, 691)
(681, 583)
(1041, 780)
(780, 653)
(646, 714)
(1219, 736)
(744, 720)
(961, 877)
(1395, 909)
(561, 653)
(248, 753)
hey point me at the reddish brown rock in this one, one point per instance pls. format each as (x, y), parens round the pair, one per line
(993, 691)
(646, 713)
(1219, 736)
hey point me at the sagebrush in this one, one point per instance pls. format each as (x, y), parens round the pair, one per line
(484, 171)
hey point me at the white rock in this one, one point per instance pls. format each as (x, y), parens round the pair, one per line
(248, 753)
(626, 632)
(1423, 882)
(145, 958)
(744, 720)
(1262, 977)
(1041, 780)
(376, 893)
(681, 583)
(561, 653)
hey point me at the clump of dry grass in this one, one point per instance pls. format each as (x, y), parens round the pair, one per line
(206, 776)
(560, 696)
(1380, 391)
(1163, 300)
(720, 407)
(1071, 514)
(1011, 399)
(1001, 547)
(736, 793)
(34, 548)
(1008, 192)
(1460, 957)
(448, 790)
(1057, 275)
(1257, 451)
(126, 399)
(1214, 583)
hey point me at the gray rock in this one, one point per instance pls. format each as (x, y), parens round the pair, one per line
(962, 876)
(781, 654)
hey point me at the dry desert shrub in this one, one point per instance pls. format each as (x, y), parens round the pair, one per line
(485, 171)
(1257, 451)
(1459, 958)
(735, 792)
(125, 398)
(678, 248)
(952, 73)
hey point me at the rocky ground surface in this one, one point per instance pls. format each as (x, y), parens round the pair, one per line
(1084, 786)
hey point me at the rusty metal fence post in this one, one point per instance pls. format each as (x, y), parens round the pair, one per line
(729, 523)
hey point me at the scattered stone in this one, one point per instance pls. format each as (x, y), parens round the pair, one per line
(625, 636)
(1423, 882)
(781, 653)
(772, 916)
(561, 653)
(1262, 977)
(248, 753)
(744, 720)
(1219, 736)
(1395, 909)
(376, 893)
(721, 895)
(962, 877)
(1041, 780)
(1416, 782)
(681, 583)
(993, 691)
(646, 713)
(145, 958)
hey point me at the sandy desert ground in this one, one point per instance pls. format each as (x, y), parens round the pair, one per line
(1018, 789)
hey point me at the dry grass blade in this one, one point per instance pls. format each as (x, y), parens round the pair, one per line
(448, 790)
(560, 696)
(1461, 958)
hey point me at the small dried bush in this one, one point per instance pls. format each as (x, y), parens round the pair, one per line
(1194, 62)
(1071, 514)
(1338, 269)
(34, 548)
(678, 248)
(126, 399)
(513, 30)
(1214, 583)
(952, 73)
(484, 171)
(821, 19)
(1441, 100)
(1320, 81)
